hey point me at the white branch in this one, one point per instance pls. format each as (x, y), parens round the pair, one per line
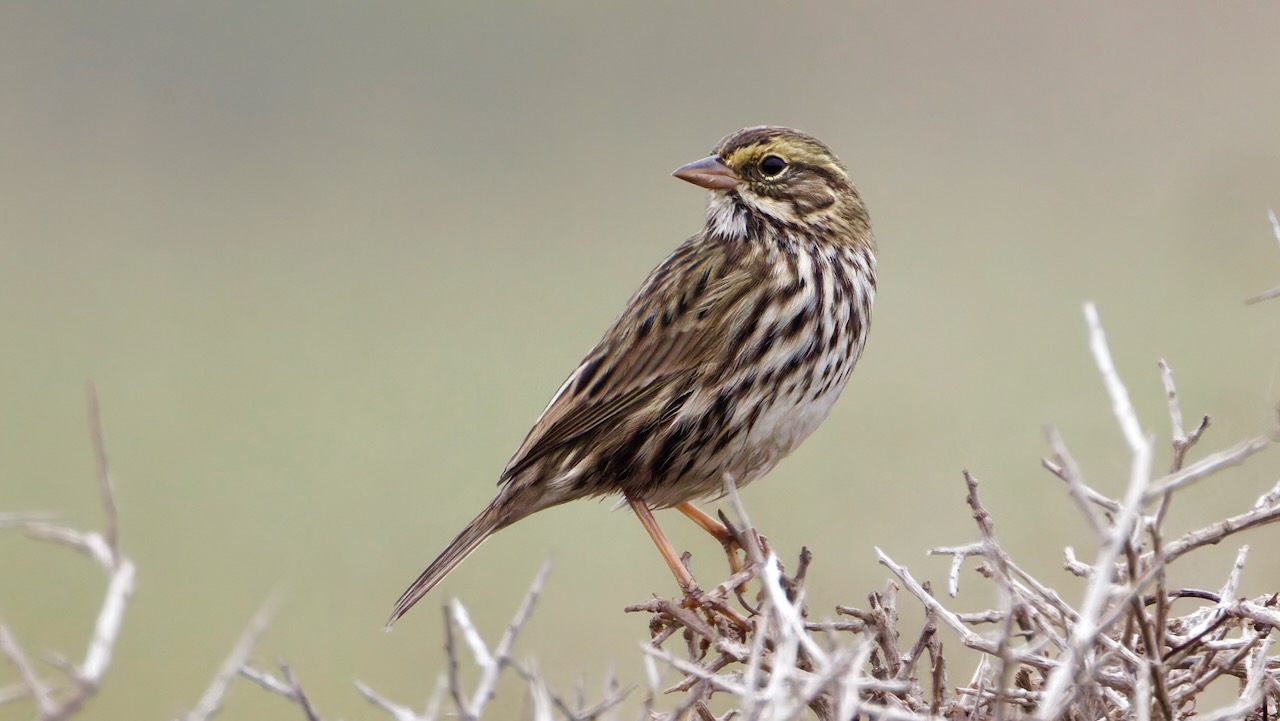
(1274, 292)
(1098, 591)
(398, 712)
(104, 551)
(1120, 405)
(31, 683)
(213, 696)
(502, 652)
(1207, 466)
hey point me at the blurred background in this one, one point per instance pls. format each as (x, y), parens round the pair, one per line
(326, 263)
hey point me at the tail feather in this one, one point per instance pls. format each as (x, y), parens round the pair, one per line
(476, 533)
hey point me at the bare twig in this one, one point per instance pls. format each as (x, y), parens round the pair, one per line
(1099, 588)
(112, 531)
(492, 665)
(103, 550)
(1182, 441)
(1070, 472)
(1004, 587)
(1206, 466)
(1121, 653)
(397, 712)
(214, 695)
(1274, 292)
(31, 682)
(1216, 532)
(288, 687)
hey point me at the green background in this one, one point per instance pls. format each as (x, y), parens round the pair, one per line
(327, 262)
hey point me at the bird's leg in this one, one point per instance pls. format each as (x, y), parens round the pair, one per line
(683, 577)
(717, 530)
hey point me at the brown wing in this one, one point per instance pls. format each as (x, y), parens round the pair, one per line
(682, 321)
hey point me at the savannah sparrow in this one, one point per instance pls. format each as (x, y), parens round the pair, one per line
(729, 355)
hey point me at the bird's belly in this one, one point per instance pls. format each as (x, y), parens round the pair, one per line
(780, 430)
(788, 415)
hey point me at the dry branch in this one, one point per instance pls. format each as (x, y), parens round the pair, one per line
(1274, 292)
(64, 699)
(1117, 652)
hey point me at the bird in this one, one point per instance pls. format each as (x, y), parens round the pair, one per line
(731, 353)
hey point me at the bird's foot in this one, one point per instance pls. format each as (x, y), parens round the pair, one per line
(715, 610)
(754, 547)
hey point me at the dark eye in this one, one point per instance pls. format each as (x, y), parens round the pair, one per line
(772, 165)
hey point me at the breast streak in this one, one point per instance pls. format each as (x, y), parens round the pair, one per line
(804, 398)
(786, 408)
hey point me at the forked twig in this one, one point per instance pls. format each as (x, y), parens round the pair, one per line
(84, 678)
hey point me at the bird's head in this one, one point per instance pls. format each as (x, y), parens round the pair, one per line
(781, 175)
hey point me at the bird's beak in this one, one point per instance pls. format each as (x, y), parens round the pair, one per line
(709, 173)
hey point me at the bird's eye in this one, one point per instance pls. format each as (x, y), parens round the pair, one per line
(772, 165)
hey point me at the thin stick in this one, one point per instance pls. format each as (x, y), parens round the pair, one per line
(27, 675)
(1075, 485)
(1098, 590)
(397, 712)
(1274, 292)
(1207, 466)
(112, 531)
(214, 695)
